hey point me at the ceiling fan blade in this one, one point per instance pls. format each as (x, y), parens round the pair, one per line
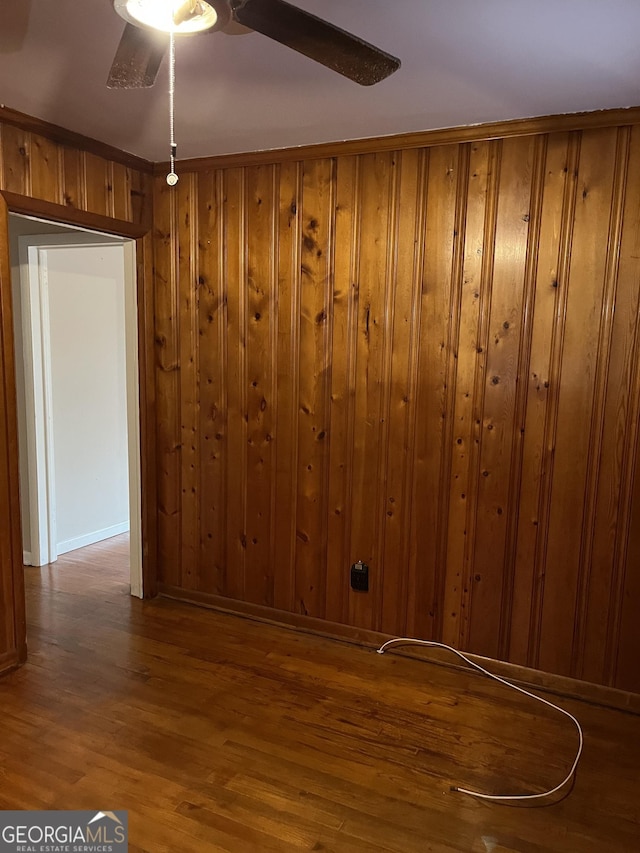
(319, 40)
(137, 58)
(14, 20)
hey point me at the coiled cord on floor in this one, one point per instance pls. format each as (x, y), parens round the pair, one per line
(404, 641)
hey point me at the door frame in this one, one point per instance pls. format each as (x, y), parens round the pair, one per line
(65, 215)
(34, 251)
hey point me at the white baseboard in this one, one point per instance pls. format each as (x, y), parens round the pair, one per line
(26, 558)
(91, 538)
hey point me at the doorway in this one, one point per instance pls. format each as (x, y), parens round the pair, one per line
(49, 304)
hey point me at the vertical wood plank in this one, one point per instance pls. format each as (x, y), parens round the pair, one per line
(121, 191)
(624, 626)
(73, 178)
(375, 196)
(16, 156)
(97, 184)
(188, 349)
(167, 383)
(141, 202)
(535, 382)
(316, 298)
(556, 234)
(148, 413)
(406, 245)
(46, 177)
(446, 175)
(576, 393)
(622, 586)
(212, 350)
(469, 350)
(342, 414)
(237, 411)
(261, 392)
(603, 480)
(495, 504)
(287, 383)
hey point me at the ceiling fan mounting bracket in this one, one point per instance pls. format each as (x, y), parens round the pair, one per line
(144, 40)
(222, 10)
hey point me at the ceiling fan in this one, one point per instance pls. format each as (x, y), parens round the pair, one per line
(144, 41)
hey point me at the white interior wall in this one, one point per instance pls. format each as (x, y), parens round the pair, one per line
(88, 389)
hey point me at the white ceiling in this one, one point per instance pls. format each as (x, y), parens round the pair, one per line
(463, 62)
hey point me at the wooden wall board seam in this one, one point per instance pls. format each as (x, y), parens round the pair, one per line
(328, 379)
(631, 469)
(60, 199)
(243, 366)
(273, 345)
(296, 261)
(520, 407)
(599, 402)
(479, 390)
(551, 414)
(110, 208)
(83, 200)
(28, 187)
(352, 359)
(452, 346)
(413, 374)
(385, 399)
(223, 284)
(189, 382)
(148, 414)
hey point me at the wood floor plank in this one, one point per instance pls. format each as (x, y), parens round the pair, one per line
(219, 733)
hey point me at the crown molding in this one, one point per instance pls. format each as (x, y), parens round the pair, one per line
(75, 140)
(419, 139)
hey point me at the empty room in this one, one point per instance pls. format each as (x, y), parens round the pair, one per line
(319, 426)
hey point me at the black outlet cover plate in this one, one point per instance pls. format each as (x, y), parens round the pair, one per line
(360, 576)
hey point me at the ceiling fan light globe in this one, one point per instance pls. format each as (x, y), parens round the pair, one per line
(159, 15)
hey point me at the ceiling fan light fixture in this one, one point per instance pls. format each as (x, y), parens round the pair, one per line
(178, 16)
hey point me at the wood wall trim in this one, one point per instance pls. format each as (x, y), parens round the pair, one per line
(64, 215)
(595, 694)
(147, 406)
(419, 139)
(72, 139)
(13, 634)
(9, 661)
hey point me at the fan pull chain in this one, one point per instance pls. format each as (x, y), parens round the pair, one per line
(172, 178)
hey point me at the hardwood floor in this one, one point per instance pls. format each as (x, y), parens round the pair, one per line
(222, 734)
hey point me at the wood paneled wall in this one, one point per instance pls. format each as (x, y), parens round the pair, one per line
(66, 181)
(427, 359)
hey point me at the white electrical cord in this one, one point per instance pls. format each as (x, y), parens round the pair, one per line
(495, 797)
(172, 178)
